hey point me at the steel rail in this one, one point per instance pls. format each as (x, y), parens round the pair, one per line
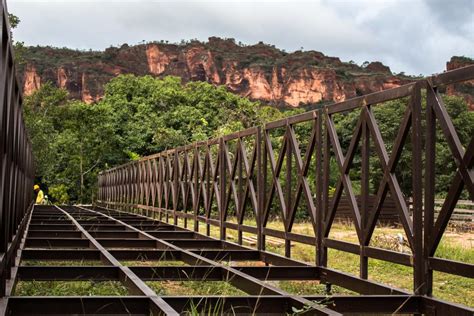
(134, 283)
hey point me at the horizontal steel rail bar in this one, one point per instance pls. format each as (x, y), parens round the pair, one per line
(160, 273)
(99, 305)
(275, 305)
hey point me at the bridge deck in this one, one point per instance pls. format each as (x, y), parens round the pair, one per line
(97, 242)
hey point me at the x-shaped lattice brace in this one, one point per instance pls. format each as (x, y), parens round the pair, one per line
(290, 143)
(160, 183)
(116, 180)
(388, 183)
(142, 181)
(147, 181)
(200, 182)
(127, 176)
(213, 177)
(130, 185)
(464, 177)
(125, 186)
(154, 180)
(166, 181)
(186, 187)
(249, 167)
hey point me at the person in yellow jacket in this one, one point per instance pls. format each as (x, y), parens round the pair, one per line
(39, 195)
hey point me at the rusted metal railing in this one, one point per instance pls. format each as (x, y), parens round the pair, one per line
(16, 159)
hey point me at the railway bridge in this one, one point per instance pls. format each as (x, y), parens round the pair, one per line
(205, 208)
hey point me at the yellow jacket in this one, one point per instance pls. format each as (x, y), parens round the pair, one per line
(40, 197)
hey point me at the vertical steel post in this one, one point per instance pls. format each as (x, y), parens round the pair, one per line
(416, 136)
(430, 157)
(319, 187)
(222, 188)
(365, 214)
(288, 186)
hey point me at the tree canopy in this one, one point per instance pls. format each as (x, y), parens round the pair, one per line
(138, 116)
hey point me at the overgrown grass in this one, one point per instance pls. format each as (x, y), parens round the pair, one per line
(154, 263)
(62, 263)
(187, 288)
(69, 288)
(310, 288)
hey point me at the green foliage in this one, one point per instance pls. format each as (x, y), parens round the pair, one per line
(19, 47)
(462, 59)
(59, 193)
(138, 116)
(72, 141)
(150, 115)
(445, 165)
(14, 20)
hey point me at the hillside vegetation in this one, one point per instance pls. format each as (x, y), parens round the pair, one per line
(73, 141)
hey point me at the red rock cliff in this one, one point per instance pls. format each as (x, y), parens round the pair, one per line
(465, 89)
(260, 72)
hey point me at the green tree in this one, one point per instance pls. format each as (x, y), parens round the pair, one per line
(151, 114)
(138, 116)
(40, 116)
(19, 47)
(87, 145)
(71, 141)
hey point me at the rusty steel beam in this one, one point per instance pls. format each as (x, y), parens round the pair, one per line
(135, 285)
(16, 157)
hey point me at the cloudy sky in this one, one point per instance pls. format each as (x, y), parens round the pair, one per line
(414, 36)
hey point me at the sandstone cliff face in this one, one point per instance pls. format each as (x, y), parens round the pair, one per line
(31, 80)
(465, 89)
(260, 72)
(157, 60)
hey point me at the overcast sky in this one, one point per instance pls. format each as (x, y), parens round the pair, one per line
(414, 36)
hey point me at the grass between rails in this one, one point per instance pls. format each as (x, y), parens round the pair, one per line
(61, 263)
(70, 288)
(188, 288)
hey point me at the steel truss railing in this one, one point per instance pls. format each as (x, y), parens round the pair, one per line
(16, 159)
(271, 171)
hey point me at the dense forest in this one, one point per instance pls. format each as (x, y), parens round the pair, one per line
(138, 116)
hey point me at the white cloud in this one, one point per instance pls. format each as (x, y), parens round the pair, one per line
(408, 36)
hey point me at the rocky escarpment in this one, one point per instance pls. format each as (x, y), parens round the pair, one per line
(464, 89)
(260, 72)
